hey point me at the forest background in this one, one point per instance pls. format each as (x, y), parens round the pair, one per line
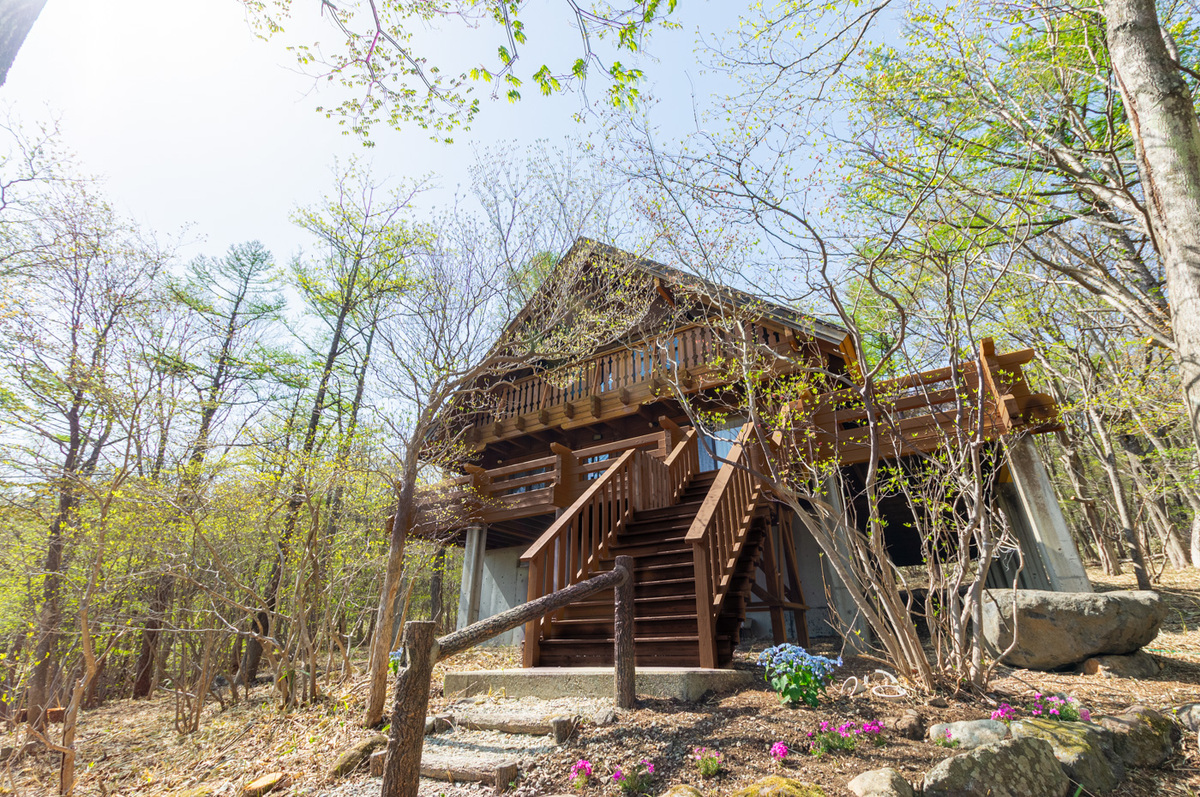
(196, 444)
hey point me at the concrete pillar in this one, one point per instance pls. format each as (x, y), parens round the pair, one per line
(851, 624)
(1032, 508)
(472, 576)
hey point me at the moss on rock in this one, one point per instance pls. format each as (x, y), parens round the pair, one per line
(778, 786)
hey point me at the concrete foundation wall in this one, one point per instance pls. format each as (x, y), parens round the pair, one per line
(504, 583)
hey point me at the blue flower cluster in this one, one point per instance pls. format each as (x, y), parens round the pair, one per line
(394, 660)
(789, 658)
(797, 675)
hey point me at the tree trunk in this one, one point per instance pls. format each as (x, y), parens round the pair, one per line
(382, 639)
(1162, 118)
(1108, 461)
(51, 613)
(16, 20)
(144, 670)
(437, 580)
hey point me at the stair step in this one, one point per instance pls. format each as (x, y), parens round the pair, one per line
(668, 627)
(684, 507)
(678, 524)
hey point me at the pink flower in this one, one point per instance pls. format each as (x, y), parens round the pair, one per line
(1085, 715)
(617, 774)
(779, 751)
(649, 766)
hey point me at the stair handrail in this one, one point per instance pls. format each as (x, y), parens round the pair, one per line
(719, 532)
(683, 463)
(570, 550)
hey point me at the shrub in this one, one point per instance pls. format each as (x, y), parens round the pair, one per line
(636, 779)
(797, 675)
(581, 772)
(1054, 707)
(947, 740)
(828, 738)
(779, 751)
(707, 761)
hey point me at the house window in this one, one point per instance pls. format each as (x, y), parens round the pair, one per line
(718, 443)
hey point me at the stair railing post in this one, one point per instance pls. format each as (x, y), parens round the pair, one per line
(624, 652)
(402, 767)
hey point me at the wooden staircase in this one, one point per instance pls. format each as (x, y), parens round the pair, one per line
(666, 631)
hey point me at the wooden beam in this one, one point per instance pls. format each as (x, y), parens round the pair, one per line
(664, 291)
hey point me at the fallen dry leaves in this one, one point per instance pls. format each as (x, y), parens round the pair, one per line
(131, 748)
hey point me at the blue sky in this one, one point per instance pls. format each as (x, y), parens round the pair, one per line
(194, 123)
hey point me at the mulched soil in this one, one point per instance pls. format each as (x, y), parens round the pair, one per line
(132, 748)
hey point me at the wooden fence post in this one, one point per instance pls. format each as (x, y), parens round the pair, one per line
(402, 769)
(623, 639)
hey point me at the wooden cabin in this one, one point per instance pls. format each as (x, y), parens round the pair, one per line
(579, 462)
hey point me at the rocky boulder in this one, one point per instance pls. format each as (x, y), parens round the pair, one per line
(885, 782)
(1011, 768)
(1084, 750)
(776, 786)
(910, 724)
(682, 790)
(969, 733)
(1138, 664)
(265, 784)
(1141, 736)
(1189, 715)
(1057, 629)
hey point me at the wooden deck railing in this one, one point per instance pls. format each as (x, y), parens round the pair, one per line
(571, 550)
(531, 487)
(687, 358)
(719, 532)
(921, 412)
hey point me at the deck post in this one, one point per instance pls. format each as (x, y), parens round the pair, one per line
(1034, 513)
(856, 634)
(470, 594)
(402, 767)
(704, 600)
(624, 651)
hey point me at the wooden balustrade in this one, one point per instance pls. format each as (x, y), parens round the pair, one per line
(719, 532)
(621, 378)
(921, 412)
(572, 549)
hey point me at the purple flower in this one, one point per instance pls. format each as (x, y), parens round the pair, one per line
(618, 774)
(1085, 715)
(649, 766)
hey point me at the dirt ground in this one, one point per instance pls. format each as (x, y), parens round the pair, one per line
(132, 748)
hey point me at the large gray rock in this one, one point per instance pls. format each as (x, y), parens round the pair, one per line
(969, 733)
(1138, 664)
(1189, 715)
(1141, 736)
(1084, 750)
(910, 724)
(682, 790)
(1056, 629)
(885, 782)
(1011, 768)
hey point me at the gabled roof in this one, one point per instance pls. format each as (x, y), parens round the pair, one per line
(586, 249)
(785, 316)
